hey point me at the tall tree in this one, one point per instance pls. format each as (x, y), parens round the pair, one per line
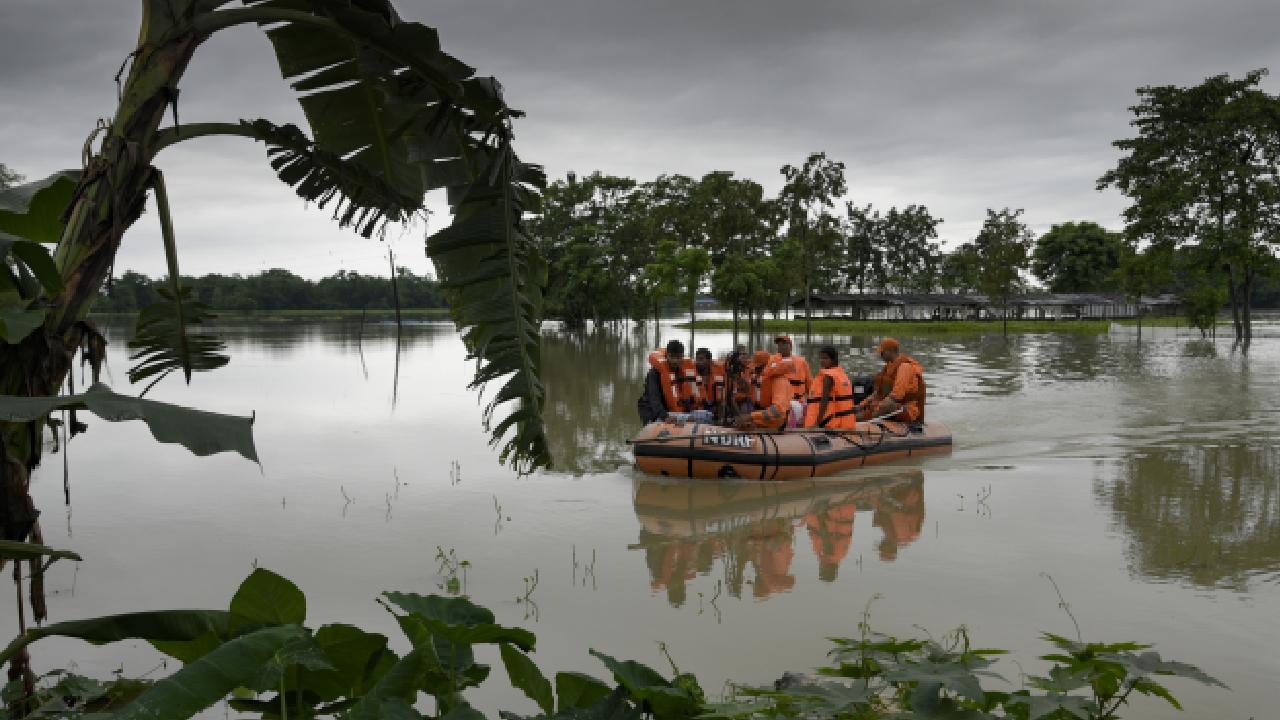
(1204, 169)
(808, 191)
(959, 269)
(1077, 257)
(864, 248)
(911, 255)
(1003, 250)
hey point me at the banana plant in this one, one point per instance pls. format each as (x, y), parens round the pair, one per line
(390, 117)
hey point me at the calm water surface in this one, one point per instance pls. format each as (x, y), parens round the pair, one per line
(1143, 476)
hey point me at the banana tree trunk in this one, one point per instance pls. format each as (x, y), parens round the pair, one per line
(108, 200)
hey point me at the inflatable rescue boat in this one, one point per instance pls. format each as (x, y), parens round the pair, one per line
(698, 450)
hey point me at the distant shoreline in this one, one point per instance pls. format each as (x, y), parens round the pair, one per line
(921, 327)
(378, 314)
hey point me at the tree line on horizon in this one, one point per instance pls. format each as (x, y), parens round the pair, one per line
(278, 289)
(1203, 175)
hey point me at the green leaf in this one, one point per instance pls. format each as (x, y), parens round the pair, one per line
(526, 677)
(401, 681)
(358, 660)
(34, 258)
(166, 625)
(449, 610)
(201, 432)
(34, 210)
(163, 341)
(265, 598)
(11, 550)
(953, 676)
(16, 326)
(207, 680)
(1055, 705)
(837, 697)
(578, 690)
(631, 674)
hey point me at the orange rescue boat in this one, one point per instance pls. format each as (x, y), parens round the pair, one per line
(698, 450)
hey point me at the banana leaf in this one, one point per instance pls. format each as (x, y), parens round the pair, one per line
(201, 432)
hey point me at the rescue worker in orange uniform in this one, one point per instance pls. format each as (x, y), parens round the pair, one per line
(669, 386)
(710, 382)
(800, 375)
(899, 387)
(830, 395)
(774, 399)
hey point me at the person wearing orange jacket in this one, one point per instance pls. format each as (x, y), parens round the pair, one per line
(774, 402)
(669, 386)
(830, 395)
(709, 382)
(800, 375)
(899, 388)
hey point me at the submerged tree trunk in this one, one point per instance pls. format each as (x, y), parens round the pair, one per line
(1246, 303)
(1232, 289)
(735, 325)
(693, 321)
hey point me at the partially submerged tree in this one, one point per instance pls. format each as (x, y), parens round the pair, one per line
(807, 193)
(1204, 169)
(1003, 249)
(1077, 257)
(391, 117)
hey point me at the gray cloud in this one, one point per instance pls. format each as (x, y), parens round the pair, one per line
(959, 105)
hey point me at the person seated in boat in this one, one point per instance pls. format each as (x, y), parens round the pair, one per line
(800, 376)
(899, 388)
(770, 376)
(710, 382)
(830, 402)
(669, 384)
(737, 395)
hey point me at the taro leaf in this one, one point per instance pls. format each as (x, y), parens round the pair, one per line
(631, 674)
(265, 598)
(34, 210)
(401, 682)
(460, 620)
(578, 690)
(15, 326)
(301, 654)
(168, 625)
(950, 675)
(463, 711)
(201, 432)
(163, 341)
(525, 675)
(837, 697)
(398, 709)
(1054, 705)
(207, 680)
(733, 710)
(646, 685)
(358, 659)
(1149, 663)
(10, 550)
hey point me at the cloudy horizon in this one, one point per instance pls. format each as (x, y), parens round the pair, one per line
(956, 106)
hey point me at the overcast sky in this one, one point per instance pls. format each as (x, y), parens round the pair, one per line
(959, 105)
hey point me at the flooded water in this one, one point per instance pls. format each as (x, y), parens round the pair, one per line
(1142, 476)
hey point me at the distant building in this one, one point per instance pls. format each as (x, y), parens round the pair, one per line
(959, 306)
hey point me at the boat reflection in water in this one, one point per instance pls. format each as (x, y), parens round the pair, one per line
(751, 527)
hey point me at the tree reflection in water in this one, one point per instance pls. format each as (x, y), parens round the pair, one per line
(750, 527)
(1203, 514)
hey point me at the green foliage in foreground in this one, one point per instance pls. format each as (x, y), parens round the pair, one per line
(264, 662)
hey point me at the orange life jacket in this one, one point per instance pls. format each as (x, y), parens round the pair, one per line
(840, 408)
(711, 387)
(798, 374)
(775, 392)
(913, 399)
(679, 389)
